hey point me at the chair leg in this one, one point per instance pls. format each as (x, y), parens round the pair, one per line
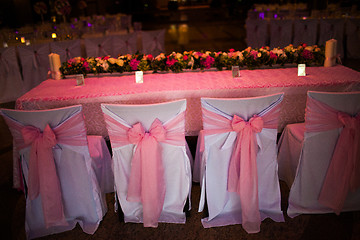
(119, 210)
(186, 208)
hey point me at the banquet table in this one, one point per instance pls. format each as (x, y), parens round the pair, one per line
(162, 87)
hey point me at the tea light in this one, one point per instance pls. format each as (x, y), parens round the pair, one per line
(53, 35)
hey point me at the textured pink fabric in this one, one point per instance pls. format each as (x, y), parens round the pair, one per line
(242, 174)
(146, 183)
(343, 173)
(43, 179)
(192, 86)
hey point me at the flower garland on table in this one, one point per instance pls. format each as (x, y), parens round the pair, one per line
(250, 58)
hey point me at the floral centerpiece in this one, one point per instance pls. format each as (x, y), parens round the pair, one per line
(250, 58)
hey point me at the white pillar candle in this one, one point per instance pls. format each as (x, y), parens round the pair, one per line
(330, 53)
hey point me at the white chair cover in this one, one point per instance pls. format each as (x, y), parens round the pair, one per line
(280, 33)
(175, 160)
(332, 29)
(305, 31)
(125, 44)
(153, 42)
(66, 49)
(99, 47)
(82, 198)
(125, 22)
(257, 33)
(304, 158)
(353, 38)
(224, 207)
(35, 64)
(12, 85)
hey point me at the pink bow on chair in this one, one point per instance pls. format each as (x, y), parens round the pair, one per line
(242, 177)
(343, 173)
(146, 183)
(43, 179)
(242, 173)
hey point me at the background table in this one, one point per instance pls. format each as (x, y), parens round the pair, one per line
(192, 86)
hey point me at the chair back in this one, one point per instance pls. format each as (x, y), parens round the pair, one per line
(12, 85)
(281, 32)
(305, 31)
(150, 137)
(67, 49)
(323, 143)
(55, 165)
(153, 42)
(352, 38)
(35, 64)
(332, 29)
(257, 35)
(232, 129)
(125, 44)
(99, 47)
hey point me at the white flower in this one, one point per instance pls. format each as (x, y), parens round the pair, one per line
(105, 66)
(191, 62)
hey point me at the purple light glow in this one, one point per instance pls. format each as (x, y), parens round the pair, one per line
(89, 24)
(262, 15)
(275, 15)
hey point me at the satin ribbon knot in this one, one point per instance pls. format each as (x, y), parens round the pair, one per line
(137, 132)
(348, 122)
(255, 123)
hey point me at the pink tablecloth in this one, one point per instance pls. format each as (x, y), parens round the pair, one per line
(192, 86)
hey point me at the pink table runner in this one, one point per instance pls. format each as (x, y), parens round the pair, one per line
(192, 86)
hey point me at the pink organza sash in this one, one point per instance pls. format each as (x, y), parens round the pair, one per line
(146, 183)
(242, 174)
(343, 173)
(43, 179)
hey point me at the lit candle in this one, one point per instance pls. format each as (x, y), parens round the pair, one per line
(22, 39)
(53, 35)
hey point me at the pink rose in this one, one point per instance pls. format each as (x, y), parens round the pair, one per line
(273, 55)
(170, 62)
(134, 64)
